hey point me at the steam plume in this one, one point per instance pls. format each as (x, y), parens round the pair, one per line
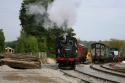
(61, 12)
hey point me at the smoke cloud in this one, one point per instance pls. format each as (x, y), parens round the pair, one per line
(40, 13)
(63, 11)
(35, 9)
(60, 12)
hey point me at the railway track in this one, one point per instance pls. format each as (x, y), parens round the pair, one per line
(106, 66)
(65, 72)
(101, 74)
(74, 74)
(86, 78)
(87, 74)
(103, 69)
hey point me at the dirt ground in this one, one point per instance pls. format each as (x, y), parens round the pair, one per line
(43, 75)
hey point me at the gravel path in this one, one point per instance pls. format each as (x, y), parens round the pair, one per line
(51, 74)
(43, 75)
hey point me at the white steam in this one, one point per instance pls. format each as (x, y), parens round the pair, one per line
(60, 12)
(35, 9)
(40, 13)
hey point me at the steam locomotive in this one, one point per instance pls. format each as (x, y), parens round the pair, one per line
(69, 52)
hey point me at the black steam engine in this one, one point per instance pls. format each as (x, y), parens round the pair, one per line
(66, 51)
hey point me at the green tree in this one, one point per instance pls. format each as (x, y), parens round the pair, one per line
(11, 44)
(2, 40)
(28, 22)
(27, 43)
(32, 44)
(21, 43)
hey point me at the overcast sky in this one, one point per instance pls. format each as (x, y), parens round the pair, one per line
(101, 20)
(96, 19)
(9, 18)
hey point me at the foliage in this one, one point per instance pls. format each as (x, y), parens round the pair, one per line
(27, 43)
(2, 40)
(11, 44)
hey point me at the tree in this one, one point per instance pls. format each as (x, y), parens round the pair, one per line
(32, 44)
(28, 22)
(27, 43)
(21, 43)
(2, 40)
(11, 44)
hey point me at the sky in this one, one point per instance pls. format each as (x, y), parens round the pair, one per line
(95, 20)
(9, 18)
(101, 20)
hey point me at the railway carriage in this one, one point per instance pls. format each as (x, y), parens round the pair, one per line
(99, 51)
(103, 53)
